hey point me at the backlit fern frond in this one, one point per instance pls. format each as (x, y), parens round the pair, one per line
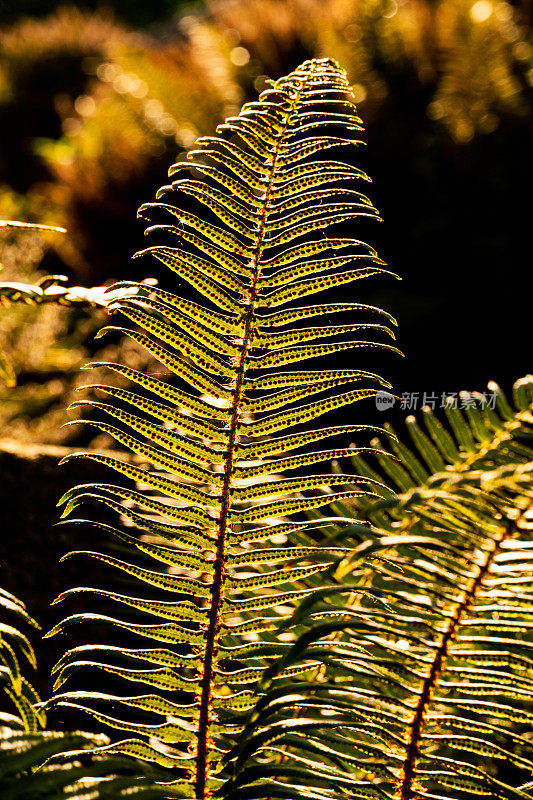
(25, 746)
(426, 646)
(14, 646)
(485, 434)
(211, 518)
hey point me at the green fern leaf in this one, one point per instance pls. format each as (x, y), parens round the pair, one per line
(251, 231)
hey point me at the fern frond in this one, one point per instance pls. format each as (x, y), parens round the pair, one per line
(27, 749)
(425, 645)
(487, 434)
(248, 234)
(14, 646)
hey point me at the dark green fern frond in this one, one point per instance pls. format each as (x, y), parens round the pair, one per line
(425, 648)
(204, 531)
(54, 765)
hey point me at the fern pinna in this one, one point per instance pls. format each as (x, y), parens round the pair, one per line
(251, 241)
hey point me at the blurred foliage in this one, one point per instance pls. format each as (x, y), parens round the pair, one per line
(92, 113)
(96, 111)
(45, 346)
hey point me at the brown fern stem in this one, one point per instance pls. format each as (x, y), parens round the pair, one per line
(407, 791)
(203, 740)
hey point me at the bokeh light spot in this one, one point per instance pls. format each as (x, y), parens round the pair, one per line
(359, 92)
(239, 56)
(85, 105)
(481, 11)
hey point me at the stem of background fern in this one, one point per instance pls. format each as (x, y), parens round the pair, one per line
(407, 787)
(508, 432)
(204, 739)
